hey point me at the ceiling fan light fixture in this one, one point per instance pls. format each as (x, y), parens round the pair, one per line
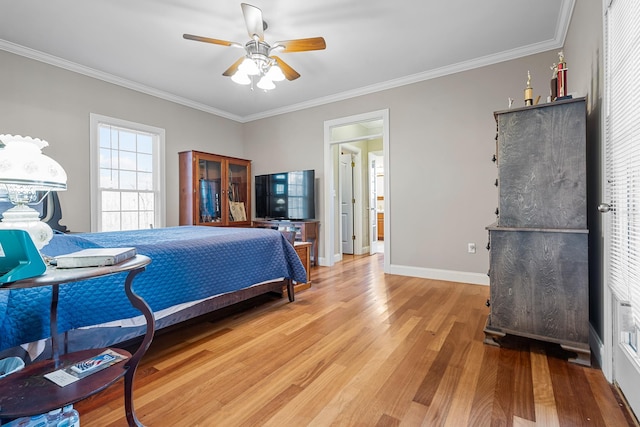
(275, 73)
(266, 83)
(258, 63)
(249, 67)
(241, 78)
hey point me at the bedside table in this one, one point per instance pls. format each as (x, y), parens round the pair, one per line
(28, 392)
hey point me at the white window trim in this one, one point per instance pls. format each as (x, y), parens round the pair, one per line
(97, 119)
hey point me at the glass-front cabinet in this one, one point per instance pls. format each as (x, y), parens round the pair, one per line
(214, 190)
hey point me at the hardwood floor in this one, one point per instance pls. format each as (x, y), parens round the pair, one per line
(359, 348)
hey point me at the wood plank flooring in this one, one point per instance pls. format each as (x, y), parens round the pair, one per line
(359, 348)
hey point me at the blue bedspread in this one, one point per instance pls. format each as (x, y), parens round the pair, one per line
(188, 263)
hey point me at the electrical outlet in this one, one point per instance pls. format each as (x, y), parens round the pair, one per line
(471, 248)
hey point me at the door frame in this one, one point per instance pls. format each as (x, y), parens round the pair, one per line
(606, 357)
(329, 185)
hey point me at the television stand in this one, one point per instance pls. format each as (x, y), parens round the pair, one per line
(306, 231)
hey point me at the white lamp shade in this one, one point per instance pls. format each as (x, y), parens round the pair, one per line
(265, 83)
(22, 163)
(241, 78)
(275, 73)
(249, 67)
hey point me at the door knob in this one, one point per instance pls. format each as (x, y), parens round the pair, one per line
(604, 207)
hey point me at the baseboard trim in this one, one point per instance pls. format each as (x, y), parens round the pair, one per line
(436, 274)
(597, 346)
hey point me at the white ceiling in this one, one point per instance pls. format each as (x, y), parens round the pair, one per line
(371, 44)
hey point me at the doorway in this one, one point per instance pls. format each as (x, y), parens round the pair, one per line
(355, 133)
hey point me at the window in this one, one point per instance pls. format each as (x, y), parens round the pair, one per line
(127, 175)
(622, 146)
(623, 152)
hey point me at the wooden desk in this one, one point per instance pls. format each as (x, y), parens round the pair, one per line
(306, 231)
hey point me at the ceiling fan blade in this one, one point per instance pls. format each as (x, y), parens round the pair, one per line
(288, 72)
(301, 45)
(232, 70)
(209, 40)
(253, 19)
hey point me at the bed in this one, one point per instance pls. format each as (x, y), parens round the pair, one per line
(194, 270)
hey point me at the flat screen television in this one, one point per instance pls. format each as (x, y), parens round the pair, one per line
(286, 195)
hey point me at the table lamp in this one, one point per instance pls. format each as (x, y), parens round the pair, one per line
(27, 176)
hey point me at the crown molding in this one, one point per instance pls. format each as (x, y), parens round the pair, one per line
(416, 78)
(110, 78)
(562, 26)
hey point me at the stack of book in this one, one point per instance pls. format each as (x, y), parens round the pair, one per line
(94, 257)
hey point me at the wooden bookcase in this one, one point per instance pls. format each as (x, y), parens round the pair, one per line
(214, 190)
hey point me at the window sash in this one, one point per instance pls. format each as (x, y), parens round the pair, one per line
(127, 175)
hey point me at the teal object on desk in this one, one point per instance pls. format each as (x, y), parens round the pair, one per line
(19, 257)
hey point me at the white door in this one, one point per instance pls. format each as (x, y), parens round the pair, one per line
(373, 203)
(346, 203)
(622, 171)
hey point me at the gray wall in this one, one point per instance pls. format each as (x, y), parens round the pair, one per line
(584, 53)
(43, 101)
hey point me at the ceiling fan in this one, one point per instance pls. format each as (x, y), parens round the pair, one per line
(259, 61)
